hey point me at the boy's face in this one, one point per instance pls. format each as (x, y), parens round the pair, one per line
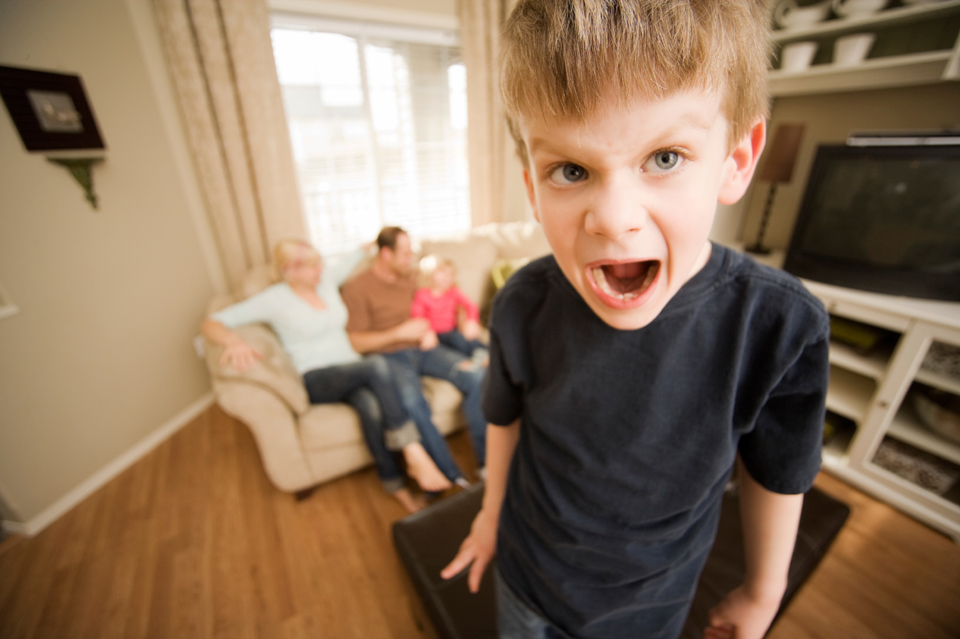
(627, 197)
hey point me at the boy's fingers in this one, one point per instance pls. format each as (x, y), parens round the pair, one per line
(476, 574)
(461, 561)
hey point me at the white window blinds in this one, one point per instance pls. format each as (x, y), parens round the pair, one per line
(378, 125)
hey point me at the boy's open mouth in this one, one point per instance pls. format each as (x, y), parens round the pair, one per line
(625, 281)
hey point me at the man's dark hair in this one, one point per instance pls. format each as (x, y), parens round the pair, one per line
(388, 237)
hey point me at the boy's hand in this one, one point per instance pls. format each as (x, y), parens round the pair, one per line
(741, 616)
(477, 549)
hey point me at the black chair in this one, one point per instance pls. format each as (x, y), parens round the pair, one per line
(428, 540)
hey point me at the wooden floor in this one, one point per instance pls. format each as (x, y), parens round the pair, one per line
(193, 541)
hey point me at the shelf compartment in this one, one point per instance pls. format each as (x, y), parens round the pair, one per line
(849, 393)
(886, 18)
(919, 468)
(872, 366)
(907, 428)
(838, 433)
(877, 73)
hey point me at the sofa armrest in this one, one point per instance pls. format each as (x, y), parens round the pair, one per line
(274, 372)
(274, 427)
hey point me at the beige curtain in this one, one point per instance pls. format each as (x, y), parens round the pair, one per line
(494, 169)
(221, 60)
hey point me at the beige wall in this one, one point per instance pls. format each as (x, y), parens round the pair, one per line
(100, 355)
(829, 119)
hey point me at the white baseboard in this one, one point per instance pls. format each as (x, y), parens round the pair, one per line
(111, 470)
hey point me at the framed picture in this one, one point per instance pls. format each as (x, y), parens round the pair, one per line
(50, 110)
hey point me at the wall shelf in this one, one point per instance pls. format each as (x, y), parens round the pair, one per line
(874, 73)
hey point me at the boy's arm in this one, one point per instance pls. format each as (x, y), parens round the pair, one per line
(770, 522)
(480, 545)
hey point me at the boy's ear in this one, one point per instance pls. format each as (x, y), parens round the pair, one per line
(742, 162)
(531, 196)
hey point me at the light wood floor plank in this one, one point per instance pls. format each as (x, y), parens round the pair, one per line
(193, 541)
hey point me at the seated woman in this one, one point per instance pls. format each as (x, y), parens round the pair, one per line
(306, 312)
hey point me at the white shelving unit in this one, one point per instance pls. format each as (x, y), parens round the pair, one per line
(891, 71)
(871, 390)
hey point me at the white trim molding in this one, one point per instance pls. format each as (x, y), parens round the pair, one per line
(110, 471)
(363, 12)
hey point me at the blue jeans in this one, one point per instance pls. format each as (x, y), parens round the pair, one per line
(454, 339)
(441, 362)
(367, 386)
(516, 620)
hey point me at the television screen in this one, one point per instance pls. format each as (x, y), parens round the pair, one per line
(882, 218)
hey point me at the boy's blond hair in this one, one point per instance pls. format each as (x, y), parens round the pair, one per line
(559, 57)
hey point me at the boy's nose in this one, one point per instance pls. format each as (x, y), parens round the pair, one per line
(615, 212)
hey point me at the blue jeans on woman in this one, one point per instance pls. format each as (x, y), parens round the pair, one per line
(407, 366)
(367, 386)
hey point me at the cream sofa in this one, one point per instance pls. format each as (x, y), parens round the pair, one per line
(303, 445)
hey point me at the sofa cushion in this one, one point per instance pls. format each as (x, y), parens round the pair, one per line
(327, 425)
(516, 239)
(275, 371)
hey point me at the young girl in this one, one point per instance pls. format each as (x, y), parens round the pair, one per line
(440, 301)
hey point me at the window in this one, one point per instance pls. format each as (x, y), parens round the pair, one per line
(378, 123)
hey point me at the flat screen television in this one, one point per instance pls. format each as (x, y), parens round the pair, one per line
(883, 219)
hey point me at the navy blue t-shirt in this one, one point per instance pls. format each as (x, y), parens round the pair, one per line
(628, 438)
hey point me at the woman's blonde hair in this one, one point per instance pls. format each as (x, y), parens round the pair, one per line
(560, 58)
(290, 251)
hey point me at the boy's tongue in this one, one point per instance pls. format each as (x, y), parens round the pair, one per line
(626, 278)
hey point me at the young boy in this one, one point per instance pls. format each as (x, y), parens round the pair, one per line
(631, 369)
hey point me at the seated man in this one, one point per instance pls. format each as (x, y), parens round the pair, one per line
(379, 301)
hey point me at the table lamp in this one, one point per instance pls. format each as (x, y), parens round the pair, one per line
(778, 169)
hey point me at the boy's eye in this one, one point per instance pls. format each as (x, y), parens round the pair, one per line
(568, 173)
(663, 161)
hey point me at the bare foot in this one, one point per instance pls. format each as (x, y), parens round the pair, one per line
(420, 466)
(408, 501)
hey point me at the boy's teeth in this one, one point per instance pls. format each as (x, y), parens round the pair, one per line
(601, 278)
(627, 276)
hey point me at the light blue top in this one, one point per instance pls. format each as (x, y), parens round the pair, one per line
(313, 338)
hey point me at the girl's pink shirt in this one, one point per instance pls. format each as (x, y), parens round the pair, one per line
(441, 310)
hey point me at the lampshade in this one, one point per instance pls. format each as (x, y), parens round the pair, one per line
(782, 153)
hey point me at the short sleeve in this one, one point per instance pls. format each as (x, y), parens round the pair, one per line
(502, 395)
(783, 451)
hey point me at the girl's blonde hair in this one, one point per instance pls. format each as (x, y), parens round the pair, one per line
(291, 251)
(429, 265)
(560, 58)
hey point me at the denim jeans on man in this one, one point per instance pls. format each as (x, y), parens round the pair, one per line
(441, 362)
(368, 387)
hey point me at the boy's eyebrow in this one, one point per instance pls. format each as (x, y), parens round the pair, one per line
(686, 121)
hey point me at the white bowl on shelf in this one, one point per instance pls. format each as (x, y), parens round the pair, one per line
(858, 8)
(851, 50)
(789, 15)
(797, 56)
